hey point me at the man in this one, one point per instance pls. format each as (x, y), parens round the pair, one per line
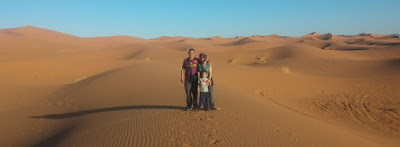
(189, 77)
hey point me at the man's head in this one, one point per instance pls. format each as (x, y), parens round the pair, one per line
(191, 53)
(204, 74)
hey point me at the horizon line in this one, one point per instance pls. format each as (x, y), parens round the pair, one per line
(283, 36)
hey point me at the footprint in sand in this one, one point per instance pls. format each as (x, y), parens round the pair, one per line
(291, 135)
(218, 123)
(214, 131)
(297, 140)
(293, 138)
(276, 128)
(207, 135)
(264, 92)
(184, 132)
(214, 141)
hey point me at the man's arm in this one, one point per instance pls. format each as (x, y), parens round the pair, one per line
(183, 70)
(183, 75)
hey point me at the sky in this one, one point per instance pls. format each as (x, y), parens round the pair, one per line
(203, 18)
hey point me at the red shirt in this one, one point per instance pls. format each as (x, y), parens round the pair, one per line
(190, 65)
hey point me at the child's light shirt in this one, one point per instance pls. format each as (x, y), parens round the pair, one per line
(203, 84)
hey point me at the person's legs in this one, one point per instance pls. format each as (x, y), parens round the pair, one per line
(206, 99)
(211, 97)
(202, 95)
(194, 93)
(188, 87)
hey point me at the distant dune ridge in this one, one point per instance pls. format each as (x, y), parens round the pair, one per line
(318, 89)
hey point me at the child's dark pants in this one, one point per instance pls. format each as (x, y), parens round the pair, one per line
(204, 96)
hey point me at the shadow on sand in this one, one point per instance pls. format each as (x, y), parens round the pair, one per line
(86, 112)
(55, 139)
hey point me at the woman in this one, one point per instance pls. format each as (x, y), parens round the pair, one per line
(205, 65)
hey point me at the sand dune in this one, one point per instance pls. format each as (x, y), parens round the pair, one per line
(315, 90)
(36, 33)
(242, 41)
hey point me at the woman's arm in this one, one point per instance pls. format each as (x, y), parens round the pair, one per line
(210, 72)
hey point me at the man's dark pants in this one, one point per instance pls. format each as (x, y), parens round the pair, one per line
(191, 93)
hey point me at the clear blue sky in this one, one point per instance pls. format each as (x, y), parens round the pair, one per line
(203, 18)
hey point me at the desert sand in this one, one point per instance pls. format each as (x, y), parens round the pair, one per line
(315, 90)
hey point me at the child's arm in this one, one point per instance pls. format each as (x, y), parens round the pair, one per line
(208, 83)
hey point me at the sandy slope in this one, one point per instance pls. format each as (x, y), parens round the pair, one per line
(315, 90)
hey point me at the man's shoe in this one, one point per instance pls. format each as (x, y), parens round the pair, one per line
(187, 109)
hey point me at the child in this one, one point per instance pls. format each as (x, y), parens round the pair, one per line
(204, 94)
